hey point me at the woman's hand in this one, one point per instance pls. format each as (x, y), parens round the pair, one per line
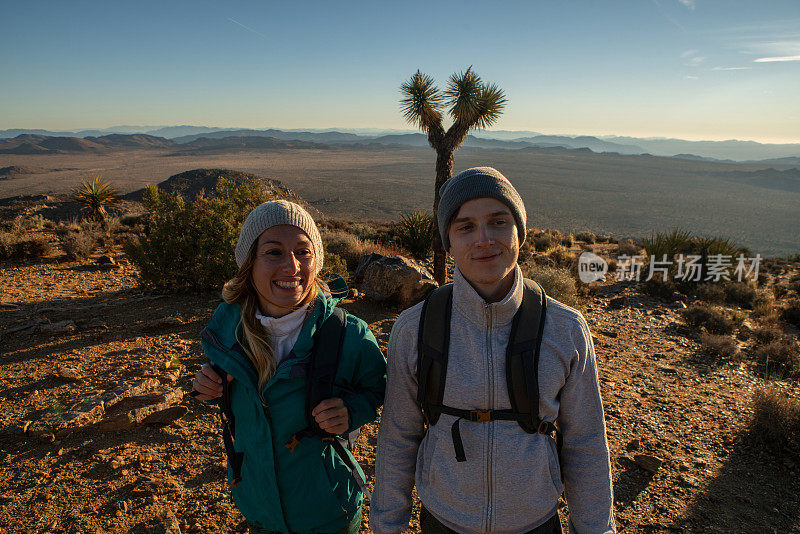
(331, 415)
(207, 383)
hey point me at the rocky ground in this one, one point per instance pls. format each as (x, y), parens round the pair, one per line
(97, 433)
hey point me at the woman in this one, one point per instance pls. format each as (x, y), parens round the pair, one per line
(262, 337)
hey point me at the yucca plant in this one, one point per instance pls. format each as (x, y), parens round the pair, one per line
(96, 195)
(471, 103)
(415, 231)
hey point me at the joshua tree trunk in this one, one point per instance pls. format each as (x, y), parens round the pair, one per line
(444, 170)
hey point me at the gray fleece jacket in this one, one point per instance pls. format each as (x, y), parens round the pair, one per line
(511, 480)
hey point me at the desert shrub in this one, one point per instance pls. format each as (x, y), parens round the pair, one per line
(543, 242)
(586, 237)
(723, 346)
(779, 291)
(345, 245)
(628, 248)
(362, 230)
(19, 247)
(351, 248)
(189, 245)
(132, 220)
(567, 240)
(739, 294)
(767, 334)
(714, 320)
(79, 245)
(776, 420)
(791, 313)
(556, 281)
(334, 264)
(764, 305)
(713, 293)
(658, 288)
(779, 358)
(562, 257)
(415, 233)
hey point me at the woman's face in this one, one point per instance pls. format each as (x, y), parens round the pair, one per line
(283, 271)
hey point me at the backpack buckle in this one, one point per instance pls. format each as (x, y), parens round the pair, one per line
(545, 427)
(480, 416)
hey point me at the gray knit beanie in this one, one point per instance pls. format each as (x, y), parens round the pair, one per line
(274, 213)
(478, 182)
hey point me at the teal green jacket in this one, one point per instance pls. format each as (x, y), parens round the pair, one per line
(309, 490)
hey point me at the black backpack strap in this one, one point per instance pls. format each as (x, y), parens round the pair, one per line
(328, 343)
(229, 428)
(522, 355)
(433, 343)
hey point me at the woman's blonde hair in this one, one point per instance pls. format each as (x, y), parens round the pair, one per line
(256, 344)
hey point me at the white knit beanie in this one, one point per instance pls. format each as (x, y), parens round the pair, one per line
(275, 213)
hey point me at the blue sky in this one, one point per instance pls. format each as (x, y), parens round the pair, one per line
(694, 69)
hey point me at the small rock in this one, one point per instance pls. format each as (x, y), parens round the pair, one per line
(61, 452)
(55, 329)
(648, 462)
(678, 304)
(688, 480)
(105, 260)
(633, 445)
(609, 333)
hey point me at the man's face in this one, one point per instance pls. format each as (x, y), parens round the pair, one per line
(485, 246)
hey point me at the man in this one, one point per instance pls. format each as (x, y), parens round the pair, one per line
(484, 475)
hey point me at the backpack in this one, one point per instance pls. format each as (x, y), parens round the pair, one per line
(522, 365)
(324, 363)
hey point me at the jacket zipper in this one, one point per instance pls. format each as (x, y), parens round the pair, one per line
(490, 433)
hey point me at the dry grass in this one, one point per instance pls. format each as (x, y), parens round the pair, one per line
(557, 282)
(776, 420)
(352, 248)
(14, 246)
(723, 346)
(711, 318)
(779, 358)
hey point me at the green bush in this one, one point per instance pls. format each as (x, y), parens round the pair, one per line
(189, 245)
(415, 232)
(335, 264)
(714, 320)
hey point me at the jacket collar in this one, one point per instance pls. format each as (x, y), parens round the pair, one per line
(471, 305)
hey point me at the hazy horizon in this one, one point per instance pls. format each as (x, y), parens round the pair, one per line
(344, 129)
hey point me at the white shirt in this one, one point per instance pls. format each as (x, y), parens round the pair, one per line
(283, 331)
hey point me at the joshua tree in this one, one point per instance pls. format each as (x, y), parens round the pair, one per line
(471, 103)
(95, 195)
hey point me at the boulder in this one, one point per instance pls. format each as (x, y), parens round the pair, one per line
(393, 278)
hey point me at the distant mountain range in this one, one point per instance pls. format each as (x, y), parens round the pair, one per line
(187, 138)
